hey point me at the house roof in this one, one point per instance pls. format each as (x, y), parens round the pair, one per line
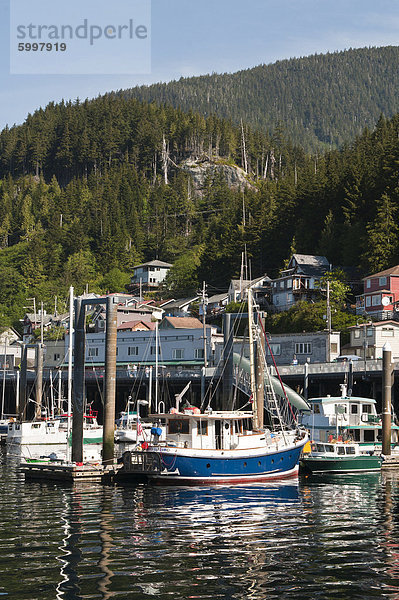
(308, 264)
(132, 324)
(154, 263)
(183, 322)
(178, 303)
(391, 271)
(238, 284)
(375, 324)
(218, 298)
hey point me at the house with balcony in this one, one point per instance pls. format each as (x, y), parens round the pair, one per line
(380, 298)
(148, 276)
(299, 281)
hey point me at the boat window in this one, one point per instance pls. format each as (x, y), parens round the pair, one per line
(316, 409)
(329, 448)
(369, 435)
(320, 447)
(35, 425)
(350, 450)
(354, 409)
(340, 450)
(355, 434)
(366, 408)
(202, 427)
(50, 424)
(179, 426)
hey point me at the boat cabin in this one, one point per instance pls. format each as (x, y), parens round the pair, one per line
(351, 417)
(210, 430)
(336, 449)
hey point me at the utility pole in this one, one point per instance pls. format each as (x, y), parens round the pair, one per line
(204, 303)
(328, 323)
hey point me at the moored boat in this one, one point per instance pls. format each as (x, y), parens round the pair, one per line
(338, 457)
(219, 447)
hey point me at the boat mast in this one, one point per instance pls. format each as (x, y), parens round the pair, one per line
(252, 360)
(4, 378)
(69, 409)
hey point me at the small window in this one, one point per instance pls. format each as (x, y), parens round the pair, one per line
(303, 348)
(368, 300)
(57, 356)
(387, 332)
(289, 283)
(153, 350)
(369, 435)
(340, 450)
(93, 351)
(368, 283)
(366, 409)
(320, 447)
(354, 409)
(199, 353)
(376, 300)
(133, 350)
(369, 332)
(177, 353)
(202, 427)
(329, 448)
(275, 349)
(282, 285)
(179, 426)
(357, 333)
(316, 409)
(350, 450)
(382, 281)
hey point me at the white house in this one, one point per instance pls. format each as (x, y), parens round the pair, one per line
(149, 275)
(367, 340)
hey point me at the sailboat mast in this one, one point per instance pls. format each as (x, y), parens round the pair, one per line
(4, 378)
(69, 409)
(252, 358)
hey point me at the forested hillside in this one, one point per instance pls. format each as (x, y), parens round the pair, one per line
(90, 189)
(323, 100)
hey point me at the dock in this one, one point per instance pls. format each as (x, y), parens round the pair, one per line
(67, 472)
(390, 462)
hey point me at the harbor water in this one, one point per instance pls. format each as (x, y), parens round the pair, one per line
(306, 538)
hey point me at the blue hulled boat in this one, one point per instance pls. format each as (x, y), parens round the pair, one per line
(233, 446)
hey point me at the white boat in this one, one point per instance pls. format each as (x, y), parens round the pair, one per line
(346, 418)
(219, 447)
(53, 431)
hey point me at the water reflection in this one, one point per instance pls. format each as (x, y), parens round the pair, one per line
(313, 538)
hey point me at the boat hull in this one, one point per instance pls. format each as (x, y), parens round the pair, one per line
(322, 464)
(178, 466)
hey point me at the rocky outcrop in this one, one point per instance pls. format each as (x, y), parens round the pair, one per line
(201, 169)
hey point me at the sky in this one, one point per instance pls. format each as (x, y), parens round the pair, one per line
(192, 37)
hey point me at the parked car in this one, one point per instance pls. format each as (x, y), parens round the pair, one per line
(347, 358)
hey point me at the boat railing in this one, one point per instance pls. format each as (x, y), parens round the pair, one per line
(141, 462)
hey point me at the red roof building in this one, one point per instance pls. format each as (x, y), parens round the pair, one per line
(380, 296)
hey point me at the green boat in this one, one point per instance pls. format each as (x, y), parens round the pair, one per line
(338, 457)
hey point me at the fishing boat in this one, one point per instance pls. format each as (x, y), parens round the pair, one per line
(351, 417)
(53, 431)
(219, 447)
(338, 457)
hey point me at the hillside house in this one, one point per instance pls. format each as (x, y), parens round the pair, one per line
(148, 276)
(178, 308)
(380, 298)
(238, 289)
(299, 281)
